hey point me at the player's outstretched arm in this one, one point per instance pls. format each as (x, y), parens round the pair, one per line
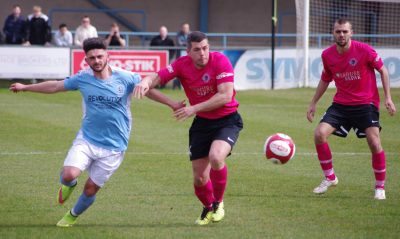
(391, 108)
(321, 88)
(157, 96)
(46, 87)
(222, 97)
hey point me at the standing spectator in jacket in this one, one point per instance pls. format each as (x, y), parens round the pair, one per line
(63, 37)
(181, 37)
(38, 31)
(114, 38)
(164, 40)
(14, 27)
(181, 40)
(84, 31)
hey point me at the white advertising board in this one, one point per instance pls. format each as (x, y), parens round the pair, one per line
(253, 68)
(34, 62)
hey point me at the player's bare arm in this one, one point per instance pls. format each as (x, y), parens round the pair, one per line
(46, 87)
(389, 105)
(157, 96)
(222, 97)
(321, 88)
(145, 85)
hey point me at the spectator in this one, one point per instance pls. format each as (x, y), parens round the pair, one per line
(14, 27)
(114, 38)
(164, 40)
(38, 31)
(181, 41)
(181, 37)
(84, 31)
(63, 37)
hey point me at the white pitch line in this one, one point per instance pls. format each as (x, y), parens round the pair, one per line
(184, 153)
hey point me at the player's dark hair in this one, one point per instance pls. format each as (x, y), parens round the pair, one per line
(195, 36)
(94, 43)
(342, 21)
(62, 25)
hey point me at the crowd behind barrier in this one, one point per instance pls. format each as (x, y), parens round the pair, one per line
(37, 26)
(251, 63)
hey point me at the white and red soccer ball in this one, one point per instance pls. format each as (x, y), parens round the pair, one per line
(279, 148)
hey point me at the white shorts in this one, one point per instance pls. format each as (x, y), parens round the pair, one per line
(99, 162)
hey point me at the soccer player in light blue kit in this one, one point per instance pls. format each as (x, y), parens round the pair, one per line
(103, 138)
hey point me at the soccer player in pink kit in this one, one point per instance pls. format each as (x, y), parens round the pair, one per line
(207, 78)
(351, 65)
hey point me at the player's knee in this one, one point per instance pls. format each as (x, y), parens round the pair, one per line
(320, 136)
(90, 188)
(217, 157)
(67, 176)
(200, 180)
(375, 145)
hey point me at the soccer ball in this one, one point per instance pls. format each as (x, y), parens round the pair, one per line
(279, 148)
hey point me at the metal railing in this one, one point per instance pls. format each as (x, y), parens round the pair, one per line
(319, 40)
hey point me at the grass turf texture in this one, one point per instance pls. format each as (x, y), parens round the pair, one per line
(151, 195)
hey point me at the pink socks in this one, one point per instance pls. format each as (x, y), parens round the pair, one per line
(205, 194)
(219, 179)
(379, 167)
(214, 189)
(325, 159)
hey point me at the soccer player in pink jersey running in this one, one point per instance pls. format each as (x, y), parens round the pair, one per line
(351, 65)
(207, 78)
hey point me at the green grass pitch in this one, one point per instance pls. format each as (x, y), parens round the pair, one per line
(151, 195)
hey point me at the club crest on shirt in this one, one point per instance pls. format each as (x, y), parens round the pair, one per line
(353, 61)
(205, 77)
(120, 90)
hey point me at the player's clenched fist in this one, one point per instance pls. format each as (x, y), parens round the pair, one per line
(16, 87)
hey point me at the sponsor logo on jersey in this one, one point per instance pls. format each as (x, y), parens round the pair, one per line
(206, 77)
(170, 69)
(347, 76)
(204, 90)
(353, 61)
(223, 75)
(104, 99)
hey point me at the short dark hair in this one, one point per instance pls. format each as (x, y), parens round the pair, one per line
(342, 21)
(62, 25)
(94, 43)
(195, 36)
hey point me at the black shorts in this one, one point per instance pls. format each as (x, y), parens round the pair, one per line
(204, 131)
(345, 117)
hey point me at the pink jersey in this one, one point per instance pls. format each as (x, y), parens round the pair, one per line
(201, 84)
(353, 73)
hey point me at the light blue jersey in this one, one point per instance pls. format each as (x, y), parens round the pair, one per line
(107, 116)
